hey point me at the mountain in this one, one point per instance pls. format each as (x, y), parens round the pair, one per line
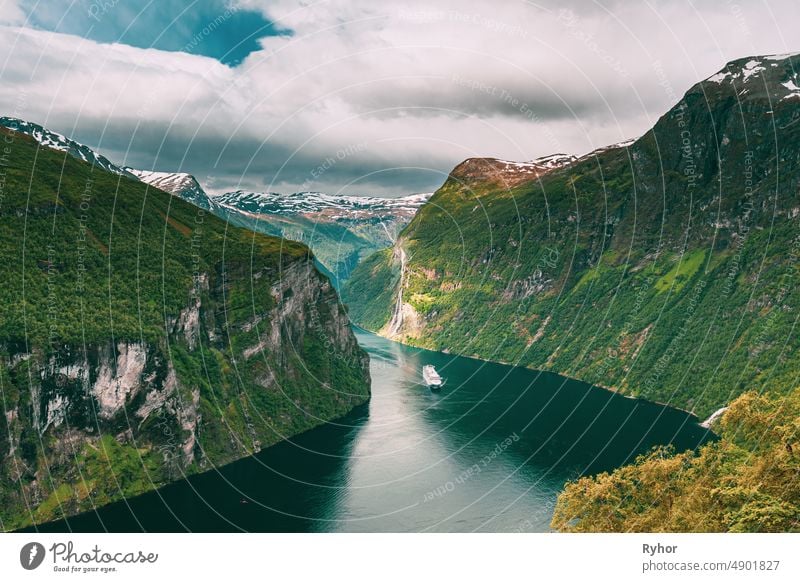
(341, 230)
(661, 268)
(183, 185)
(143, 339)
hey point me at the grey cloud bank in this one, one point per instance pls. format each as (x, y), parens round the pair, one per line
(420, 88)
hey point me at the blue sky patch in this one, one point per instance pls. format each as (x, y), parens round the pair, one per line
(205, 27)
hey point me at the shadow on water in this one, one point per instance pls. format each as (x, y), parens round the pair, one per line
(489, 452)
(270, 491)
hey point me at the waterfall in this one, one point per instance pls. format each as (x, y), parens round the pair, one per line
(710, 420)
(396, 323)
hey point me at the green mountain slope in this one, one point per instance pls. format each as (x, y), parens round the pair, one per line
(341, 230)
(664, 268)
(143, 339)
(336, 246)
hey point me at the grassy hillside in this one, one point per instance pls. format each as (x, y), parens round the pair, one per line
(371, 292)
(745, 482)
(664, 269)
(142, 338)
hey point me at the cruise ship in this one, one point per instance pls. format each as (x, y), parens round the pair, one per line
(431, 377)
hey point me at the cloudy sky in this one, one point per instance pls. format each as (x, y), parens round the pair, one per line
(361, 96)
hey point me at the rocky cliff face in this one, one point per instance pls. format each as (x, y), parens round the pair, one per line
(143, 349)
(660, 267)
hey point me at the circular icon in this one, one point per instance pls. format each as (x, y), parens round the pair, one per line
(31, 555)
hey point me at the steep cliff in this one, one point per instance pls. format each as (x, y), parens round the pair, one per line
(663, 268)
(143, 339)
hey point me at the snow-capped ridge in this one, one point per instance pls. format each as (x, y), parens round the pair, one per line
(764, 72)
(167, 181)
(59, 142)
(311, 202)
(179, 184)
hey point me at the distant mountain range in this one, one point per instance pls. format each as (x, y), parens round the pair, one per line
(341, 207)
(340, 230)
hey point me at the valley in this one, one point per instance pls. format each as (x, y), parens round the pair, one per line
(488, 453)
(591, 309)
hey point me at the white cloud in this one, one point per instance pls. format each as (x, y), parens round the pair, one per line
(418, 86)
(10, 12)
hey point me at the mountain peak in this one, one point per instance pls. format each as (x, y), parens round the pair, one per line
(775, 76)
(505, 173)
(179, 184)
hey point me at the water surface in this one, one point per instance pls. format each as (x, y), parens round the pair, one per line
(488, 452)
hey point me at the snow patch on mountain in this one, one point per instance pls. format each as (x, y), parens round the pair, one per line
(767, 70)
(793, 88)
(751, 68)
(536, 166)
(554, 161)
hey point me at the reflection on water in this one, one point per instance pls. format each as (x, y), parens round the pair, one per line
(489, 452)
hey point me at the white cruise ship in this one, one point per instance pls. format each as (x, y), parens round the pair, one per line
(431, 377)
